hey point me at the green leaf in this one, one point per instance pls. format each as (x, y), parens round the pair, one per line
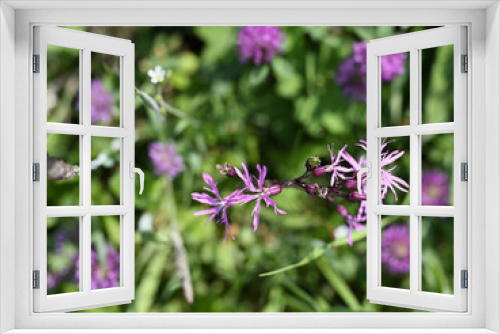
(313, 255)
(300, 293)
(289, 81)
(338, 284)
(150, 281)
(318, 252)
(153, 110)
(218, 42)
(258, 75)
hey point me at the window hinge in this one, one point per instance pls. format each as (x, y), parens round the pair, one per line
(465, 279)
(36, 279)
(464, 172)
(36, 63)
(36, 172)
(465, 64)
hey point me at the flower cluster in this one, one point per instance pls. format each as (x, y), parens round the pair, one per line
(104, 274)
(351, 74)
(260, 43)
(101, 106)
(165, 159)
(435, 188)
(396, 249)
(342, 169)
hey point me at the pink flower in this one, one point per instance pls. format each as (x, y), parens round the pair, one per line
(396, 249)
(334, 167)
(352, 222)
(219, 204)
(259, 43)
(261, 193)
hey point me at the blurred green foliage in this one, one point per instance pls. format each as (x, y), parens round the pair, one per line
(276, 114)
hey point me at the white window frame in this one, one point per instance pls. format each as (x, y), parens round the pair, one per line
(483, 21)
(85, 43)
(414, 43)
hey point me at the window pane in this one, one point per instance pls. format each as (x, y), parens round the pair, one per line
(395, 99)
(105, 89)
(63, 240)
(437, 169)
(105, 174)
(437, 254)
(437, 84)
(395, 170)
(105, 255)
(395, 252)
(63, 84)
(63, 182)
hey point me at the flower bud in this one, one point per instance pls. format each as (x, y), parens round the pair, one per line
(320, 171)
(357, 196)
(226, 169)
(313, 162)
(274, 190)
(351, 184)
(311, 189)
(342, 210)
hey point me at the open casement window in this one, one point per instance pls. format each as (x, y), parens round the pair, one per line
(80, 121)
(414, 129)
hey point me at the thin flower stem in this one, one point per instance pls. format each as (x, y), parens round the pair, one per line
(180, 253)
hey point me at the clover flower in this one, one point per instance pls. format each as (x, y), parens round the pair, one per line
(165, 159)
(219, 204)
(435, 188)
(260, 43)
(101, 106)
(351, 74)
(261, 192)
(392, 65)
(396, 249)
(157, 75)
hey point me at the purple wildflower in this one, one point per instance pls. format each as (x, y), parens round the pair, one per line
(262, 193)
(165, 159)
(396, 249)
(352, 222)
(260, 43)
(434, 188)
(334, 167)
(351, 74)
(392, 65)
(105, 275)
(101, 105)
(219, 204)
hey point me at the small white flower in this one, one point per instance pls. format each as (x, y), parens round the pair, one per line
(146, 222)
(103, 159)
(158, 75)
(341, 231)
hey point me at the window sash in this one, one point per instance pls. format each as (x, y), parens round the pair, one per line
(413, 43)
(86, 297)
